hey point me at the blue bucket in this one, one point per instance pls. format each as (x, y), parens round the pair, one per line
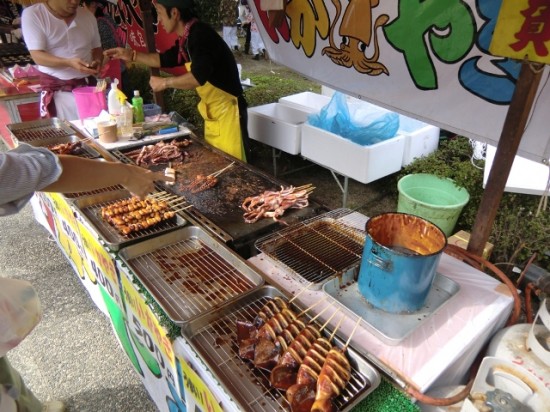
(399, 261)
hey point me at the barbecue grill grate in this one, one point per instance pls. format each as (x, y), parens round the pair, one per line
(317, 249)
(218, 342)
(40, 129)
(189, 278)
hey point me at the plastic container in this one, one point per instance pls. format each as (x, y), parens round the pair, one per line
(433, 198)
(151, 109)
(89, 102)
(125, 123)
(137, 102)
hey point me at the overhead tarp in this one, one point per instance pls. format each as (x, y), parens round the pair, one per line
(427, 59)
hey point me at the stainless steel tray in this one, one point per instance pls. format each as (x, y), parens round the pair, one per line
(391, 328)
(90, 213)
(213, 337)
(87, 151)
(190, 273)
(40, 129)
(317, 249)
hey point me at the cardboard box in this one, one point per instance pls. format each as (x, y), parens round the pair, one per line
(462, 238)
(277, 125)
(421, 138)
(362, 163)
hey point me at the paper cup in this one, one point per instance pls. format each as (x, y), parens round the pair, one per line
(107, 132)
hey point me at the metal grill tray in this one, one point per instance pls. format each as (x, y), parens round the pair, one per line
(87, 151)
(190, 273)
(40, 129)
(317, 249)
(90, 212)
(77, 195)
(214, 338)
(390, 328)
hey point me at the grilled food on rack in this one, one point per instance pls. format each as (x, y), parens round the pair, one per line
(70, 148)
(160, 152)
(274, 203)
(301, 395)
(334, 377)
(133, 215)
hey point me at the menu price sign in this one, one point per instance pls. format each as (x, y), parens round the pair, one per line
(522, 31)
(197, 394)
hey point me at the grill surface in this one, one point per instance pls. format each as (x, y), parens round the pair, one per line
(189, 273)
(317, 249)
(86, 150)
(216, 342)
(40, 129)
(221, 204)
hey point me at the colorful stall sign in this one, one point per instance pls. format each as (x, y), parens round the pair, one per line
(147, 345)
(99, 269)
(68, 236)
(425, 59)
(523, 30)
(197, 394)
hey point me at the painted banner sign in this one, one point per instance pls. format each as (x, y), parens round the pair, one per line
(427, 59)
(523, 30)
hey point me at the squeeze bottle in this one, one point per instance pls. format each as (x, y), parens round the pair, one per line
(137, 102)
(113, 99)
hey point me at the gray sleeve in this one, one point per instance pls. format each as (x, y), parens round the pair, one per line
(23, 171)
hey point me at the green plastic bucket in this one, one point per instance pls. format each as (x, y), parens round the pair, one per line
(435, 199)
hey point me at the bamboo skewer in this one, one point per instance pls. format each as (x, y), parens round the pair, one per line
(336, 328)
(352, 333)
(183, 208)
(300, 292)
(311, 307)
(219, 172)
(327, 321)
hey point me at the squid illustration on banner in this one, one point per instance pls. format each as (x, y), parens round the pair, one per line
(427, 59)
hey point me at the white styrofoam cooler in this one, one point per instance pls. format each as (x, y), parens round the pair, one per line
(307, 101)
(277, 125)
(362, 163)
(421, 138)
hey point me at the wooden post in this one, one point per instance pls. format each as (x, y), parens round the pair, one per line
(146, 7)
(512, 132)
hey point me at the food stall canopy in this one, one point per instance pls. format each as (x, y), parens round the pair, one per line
(425, 59)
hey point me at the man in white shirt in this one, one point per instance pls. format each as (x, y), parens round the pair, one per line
(63, 40)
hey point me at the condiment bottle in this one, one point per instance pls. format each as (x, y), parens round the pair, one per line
(137, 102)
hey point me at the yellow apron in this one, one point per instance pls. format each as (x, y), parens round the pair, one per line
(220, 111)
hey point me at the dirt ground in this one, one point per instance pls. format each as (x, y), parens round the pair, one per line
(369, 199)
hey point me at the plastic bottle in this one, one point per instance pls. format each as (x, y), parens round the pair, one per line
(137, 102)
(126, 120)
(113, 99)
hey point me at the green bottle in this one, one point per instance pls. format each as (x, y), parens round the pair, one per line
(137, 103)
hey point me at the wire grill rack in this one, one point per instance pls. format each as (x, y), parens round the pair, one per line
(217, 344)
(317, 249)
(189, 278)
(40, 129)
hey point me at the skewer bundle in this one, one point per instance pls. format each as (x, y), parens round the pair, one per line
(132, 215)
(306, 365)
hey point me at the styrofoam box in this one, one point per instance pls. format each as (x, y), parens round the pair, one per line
(277, 125)
(307, 101)
(362, 163)
(421, 138)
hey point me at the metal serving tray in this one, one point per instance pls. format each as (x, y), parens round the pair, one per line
(390, 328)
(40, 129)
(90, 212)
(317, 249)
(87, 151)
(190, 273)
(213, 336)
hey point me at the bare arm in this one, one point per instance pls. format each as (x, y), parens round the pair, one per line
(148, 59)
(46, 59)
(184, 82)
(81, 175)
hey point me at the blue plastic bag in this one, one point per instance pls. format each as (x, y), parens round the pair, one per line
(363, 123)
